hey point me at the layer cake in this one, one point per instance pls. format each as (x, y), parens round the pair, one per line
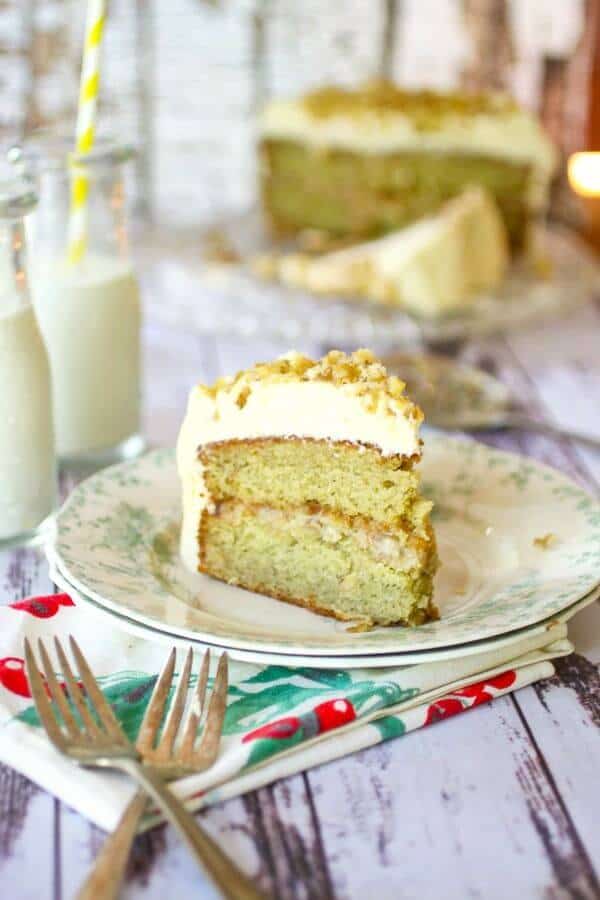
(300, 481)
(367, 161)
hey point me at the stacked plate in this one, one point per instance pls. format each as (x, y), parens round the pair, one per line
(519, 545)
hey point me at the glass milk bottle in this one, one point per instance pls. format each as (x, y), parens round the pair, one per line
(27, 458)
(89, 311)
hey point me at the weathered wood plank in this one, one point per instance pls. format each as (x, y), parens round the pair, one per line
(557, 378)
(160, 864)
(563, 717)
(22, 572)
(28, 865)
(27, 815)
(203, 96)
(288, 840)
(561, 361)
(465, 808)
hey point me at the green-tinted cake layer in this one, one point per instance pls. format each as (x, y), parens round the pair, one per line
(336, 527)
(283, 473)
(347, 193)
(297, 565)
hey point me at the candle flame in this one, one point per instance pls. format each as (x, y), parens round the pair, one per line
(584, 173)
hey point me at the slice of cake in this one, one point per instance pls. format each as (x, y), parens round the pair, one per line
(439, 265)
(368, 161)
(299, 481)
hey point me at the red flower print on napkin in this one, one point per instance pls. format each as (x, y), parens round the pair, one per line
(13, 676)
(469, 696)
(324, 717)
(43, 607)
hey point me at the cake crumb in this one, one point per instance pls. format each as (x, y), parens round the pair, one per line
(360, 627)
(546, 541)
(217, 248)
(264, 265)
(314, 241)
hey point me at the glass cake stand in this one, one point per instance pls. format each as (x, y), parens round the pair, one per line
(227, 298)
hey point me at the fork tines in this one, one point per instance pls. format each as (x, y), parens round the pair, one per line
(186, 754)
(77, 712)
(88, 717)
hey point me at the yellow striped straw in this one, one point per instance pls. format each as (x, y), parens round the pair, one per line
(86, 125)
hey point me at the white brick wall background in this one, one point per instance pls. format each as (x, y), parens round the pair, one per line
(183, 78)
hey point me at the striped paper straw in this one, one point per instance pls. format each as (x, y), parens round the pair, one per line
(86, 125)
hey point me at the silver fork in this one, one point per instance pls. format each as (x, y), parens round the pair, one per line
(169, 760)
(97, 740)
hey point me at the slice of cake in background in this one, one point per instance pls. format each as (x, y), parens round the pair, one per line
(299, 481)
(368, 161)
(438, 265)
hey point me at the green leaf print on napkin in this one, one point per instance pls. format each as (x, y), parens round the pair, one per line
(128, 694)
(273, 709)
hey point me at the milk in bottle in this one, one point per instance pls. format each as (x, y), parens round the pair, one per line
(89, 311)
(27, 457)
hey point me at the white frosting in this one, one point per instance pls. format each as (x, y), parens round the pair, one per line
(433, 266)
(311, 409)
(514, 134)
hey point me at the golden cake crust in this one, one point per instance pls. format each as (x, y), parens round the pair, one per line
(430, 614)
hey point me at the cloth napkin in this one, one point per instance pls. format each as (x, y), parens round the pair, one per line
(280, 720)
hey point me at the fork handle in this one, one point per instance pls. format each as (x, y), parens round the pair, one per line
(517, 420)
(106, 876)
(232, 883)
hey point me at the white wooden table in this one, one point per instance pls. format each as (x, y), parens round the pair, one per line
(500, 803)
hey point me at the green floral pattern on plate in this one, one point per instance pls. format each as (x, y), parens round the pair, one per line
(117, 535)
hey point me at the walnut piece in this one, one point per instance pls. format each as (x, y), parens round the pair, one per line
(359, 372)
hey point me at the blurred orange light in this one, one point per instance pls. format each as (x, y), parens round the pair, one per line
(584, 174)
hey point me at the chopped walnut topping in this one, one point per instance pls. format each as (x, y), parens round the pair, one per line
(427, 109)
(359, 372)
(242, 397)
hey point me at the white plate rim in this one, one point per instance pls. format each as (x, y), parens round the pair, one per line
(319, 661)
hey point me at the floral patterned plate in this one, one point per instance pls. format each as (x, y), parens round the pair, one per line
(518, 542)
(321, 661)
